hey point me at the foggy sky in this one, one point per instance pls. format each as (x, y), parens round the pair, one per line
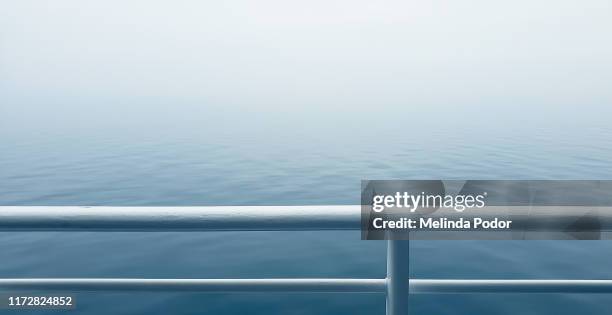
(83, 61)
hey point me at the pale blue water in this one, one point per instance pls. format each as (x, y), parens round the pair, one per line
(275, 161)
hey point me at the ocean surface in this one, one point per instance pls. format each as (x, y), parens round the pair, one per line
(289, 160)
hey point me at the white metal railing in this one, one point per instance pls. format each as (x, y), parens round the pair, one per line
(396, 286)
(180, 218)
(417, 286)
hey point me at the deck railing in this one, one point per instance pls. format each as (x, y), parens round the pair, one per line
(396, 286)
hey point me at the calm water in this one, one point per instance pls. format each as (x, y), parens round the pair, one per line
(289, 162)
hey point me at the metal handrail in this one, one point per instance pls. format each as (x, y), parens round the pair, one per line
(196, 285)
(233, 218)
(395, 286)
(417, 286)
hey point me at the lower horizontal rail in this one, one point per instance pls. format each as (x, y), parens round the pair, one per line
(306, 285)
(510, 286)
(196, 285)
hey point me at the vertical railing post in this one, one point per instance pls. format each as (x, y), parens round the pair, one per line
(397, 277)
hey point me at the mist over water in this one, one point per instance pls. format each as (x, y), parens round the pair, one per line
(280, 103)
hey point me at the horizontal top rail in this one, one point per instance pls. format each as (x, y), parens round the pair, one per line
(225, 218)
